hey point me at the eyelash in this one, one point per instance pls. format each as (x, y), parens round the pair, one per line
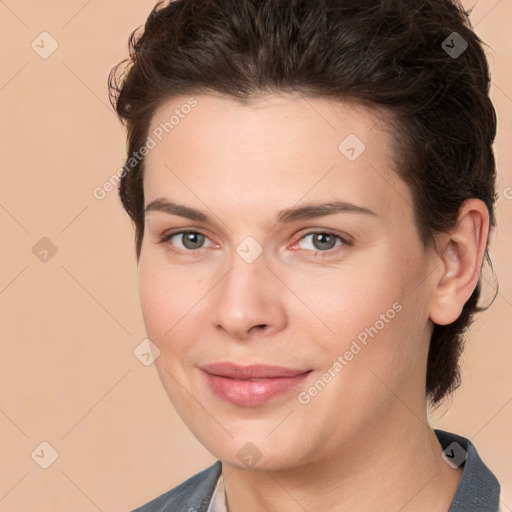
(316, 254)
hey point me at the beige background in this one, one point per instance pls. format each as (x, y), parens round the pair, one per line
(69, 325)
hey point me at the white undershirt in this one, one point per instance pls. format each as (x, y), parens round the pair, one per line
(218, 502)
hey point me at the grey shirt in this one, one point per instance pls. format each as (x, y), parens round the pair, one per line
(478, 489)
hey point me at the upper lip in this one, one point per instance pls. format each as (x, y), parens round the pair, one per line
(253, 371)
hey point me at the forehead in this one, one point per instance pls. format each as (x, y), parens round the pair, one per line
(278, 148)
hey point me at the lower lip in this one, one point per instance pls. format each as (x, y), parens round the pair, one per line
(251, 393)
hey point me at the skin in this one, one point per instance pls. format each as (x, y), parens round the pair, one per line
(363, 442)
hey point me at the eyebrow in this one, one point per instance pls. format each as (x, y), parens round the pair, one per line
(310, 211)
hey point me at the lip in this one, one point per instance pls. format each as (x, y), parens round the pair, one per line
(251, 385)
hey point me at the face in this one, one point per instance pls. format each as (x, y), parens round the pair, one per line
(257, 270)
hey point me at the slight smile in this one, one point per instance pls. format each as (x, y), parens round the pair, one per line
(251, 385)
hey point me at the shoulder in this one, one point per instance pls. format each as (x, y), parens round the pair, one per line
(194, 494)
(478, 488)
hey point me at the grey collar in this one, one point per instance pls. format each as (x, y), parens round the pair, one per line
(478, 488)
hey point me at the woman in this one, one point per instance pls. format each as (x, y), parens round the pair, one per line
(312, 185)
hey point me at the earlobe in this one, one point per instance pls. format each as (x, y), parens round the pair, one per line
(460, 255)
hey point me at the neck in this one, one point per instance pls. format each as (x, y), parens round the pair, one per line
(387, 467)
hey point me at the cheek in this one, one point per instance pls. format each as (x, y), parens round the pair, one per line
(371, 314)
(166, 297)
(154, 299)
(349, 300)
(397, 342)
(167, 306)
(161, 306)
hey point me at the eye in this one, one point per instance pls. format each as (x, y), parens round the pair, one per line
(187, 240)
(322, 242)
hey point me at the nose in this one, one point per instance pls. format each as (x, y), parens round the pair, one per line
(249, 300)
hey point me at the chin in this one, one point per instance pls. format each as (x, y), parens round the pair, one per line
(258, 454)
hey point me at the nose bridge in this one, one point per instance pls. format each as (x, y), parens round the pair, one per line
(248, 295)
(243, 283)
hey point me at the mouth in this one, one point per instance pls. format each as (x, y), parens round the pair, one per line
(251, 385)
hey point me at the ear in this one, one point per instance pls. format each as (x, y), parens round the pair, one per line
(460, 254)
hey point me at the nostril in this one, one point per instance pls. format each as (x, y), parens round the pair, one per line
(259, 327)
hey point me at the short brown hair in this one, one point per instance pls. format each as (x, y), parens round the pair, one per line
(419, 62)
